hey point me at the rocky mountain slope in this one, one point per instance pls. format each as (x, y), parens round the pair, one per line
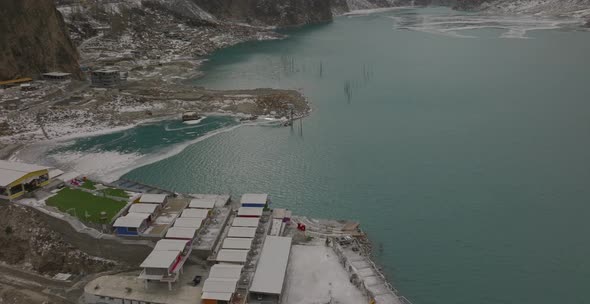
(34, 40)
(269, 12)
(26, 240)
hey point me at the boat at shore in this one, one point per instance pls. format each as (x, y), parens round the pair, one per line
(190, 116)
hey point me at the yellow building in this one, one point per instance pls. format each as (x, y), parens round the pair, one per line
(17, 179)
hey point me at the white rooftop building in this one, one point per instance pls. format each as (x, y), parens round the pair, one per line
(269, 278)
(143, 208)
(216, 290)
(225, 271)
(153, 198)
(171, 245)
(202, 213)
(241, 232)
(237, 243)
(246, 222)
(232, 256)
(188, 222)
(202, 203)
(250, 212)
(131, 224)
(181, 233)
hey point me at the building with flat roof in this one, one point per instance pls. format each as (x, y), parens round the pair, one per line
(237, 243)
(269, 278)
(17, 178)
(162, 266)
(233, 256)
(218, 290)
(254, 200)
(181, 233)
(148, 198)
(171, 245)
(188, 222)
(250, 212)
(202, 203)
(131, 224)
(225, 271)
(56, 76)
(201, 213)
(241, 232)
(151, 209)
(246, 222)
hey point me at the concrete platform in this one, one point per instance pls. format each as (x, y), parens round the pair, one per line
(129, 287)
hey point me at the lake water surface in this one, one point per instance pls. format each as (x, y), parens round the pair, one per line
(460, 142)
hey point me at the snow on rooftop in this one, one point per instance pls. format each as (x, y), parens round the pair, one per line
(272, 265)
(250, 211)
(143, 208)
(153, 198)
(252, 198)
(246, 222)
(181, 233)
(170, 245)
(241, 232)
(160, 259)
(202, 213)
(202, 203)
(232, 256)
(237, 243)
(188, 222)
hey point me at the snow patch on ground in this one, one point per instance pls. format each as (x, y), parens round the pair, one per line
(316, 276)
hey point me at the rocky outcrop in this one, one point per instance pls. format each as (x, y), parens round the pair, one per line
(26, 240)
(269, 12)
(34, 40)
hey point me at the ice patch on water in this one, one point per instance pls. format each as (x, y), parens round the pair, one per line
(453, 25)
(109, 166)
(105, 165)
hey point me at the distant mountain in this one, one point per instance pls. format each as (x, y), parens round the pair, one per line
(34, 40)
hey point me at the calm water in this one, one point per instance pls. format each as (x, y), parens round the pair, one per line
(465, 159)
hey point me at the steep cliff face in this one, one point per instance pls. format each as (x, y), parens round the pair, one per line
(34, 40)
(269, 12)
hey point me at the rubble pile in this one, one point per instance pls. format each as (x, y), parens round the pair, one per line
(27, 241)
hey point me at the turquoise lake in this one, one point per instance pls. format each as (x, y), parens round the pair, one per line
(460, 142)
